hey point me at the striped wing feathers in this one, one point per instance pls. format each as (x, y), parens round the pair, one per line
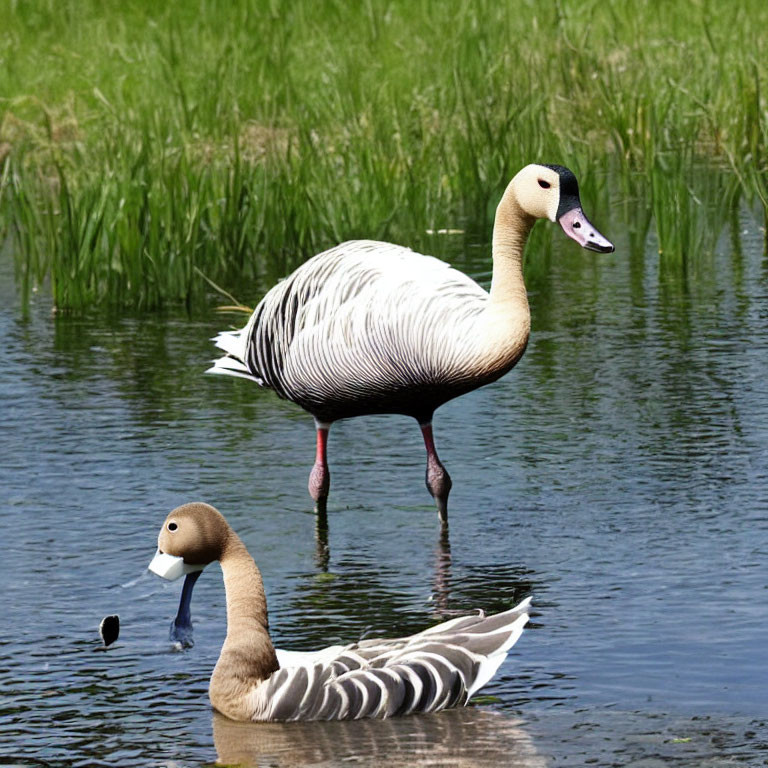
(441, 667)
(362, 317)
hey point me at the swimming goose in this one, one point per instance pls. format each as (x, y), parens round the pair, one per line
(441, 667)
(369, 327)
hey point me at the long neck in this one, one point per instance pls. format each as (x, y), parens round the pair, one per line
(246, 601)
(248, 656)
(510, 232)
(501, 335)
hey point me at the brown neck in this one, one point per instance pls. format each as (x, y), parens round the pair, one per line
(510, 232)
(247, 622)
(246, 601)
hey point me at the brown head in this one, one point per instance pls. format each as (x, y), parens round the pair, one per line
(192, 536)
(552, 192)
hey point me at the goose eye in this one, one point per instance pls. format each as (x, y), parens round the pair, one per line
(576, 224)
(544, 184)
(172, 526)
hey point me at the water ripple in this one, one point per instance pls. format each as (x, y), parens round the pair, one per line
(617, 475)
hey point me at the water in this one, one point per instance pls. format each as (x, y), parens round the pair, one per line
(618, 475)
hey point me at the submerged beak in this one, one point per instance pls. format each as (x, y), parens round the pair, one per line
(170, 567)
(577, 226)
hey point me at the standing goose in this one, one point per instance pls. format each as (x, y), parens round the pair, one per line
(441, 667)
(369, 327)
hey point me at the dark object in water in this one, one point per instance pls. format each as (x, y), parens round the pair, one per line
(109, 629)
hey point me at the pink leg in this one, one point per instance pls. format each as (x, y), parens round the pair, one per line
(438, 480)
(320, 476)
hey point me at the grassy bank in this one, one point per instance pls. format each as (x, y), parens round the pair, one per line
(141, 146)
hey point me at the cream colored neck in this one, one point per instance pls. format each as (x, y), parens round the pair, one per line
(500, 337)
(510, 233)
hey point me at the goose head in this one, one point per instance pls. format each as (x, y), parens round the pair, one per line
(552, 192)
(192, 536)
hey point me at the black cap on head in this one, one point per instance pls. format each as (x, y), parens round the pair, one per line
(569, 189)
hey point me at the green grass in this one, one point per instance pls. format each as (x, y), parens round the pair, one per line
(142, 144)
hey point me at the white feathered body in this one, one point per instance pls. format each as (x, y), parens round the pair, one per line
(439, 668)
(369, 327)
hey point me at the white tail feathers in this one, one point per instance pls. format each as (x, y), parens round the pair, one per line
(490, 664)
(232, 342)
(229, 366)
(233, 363)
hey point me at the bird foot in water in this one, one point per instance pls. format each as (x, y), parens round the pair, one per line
(319, 485)
(442, 509)
(181, 635)
(439, 486)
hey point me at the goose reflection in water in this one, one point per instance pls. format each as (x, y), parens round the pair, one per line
(322, 548)
(441, 581)
(462, 738)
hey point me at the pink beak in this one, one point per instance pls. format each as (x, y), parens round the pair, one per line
(576, 225)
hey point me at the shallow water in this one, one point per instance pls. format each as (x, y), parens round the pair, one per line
(617, 475)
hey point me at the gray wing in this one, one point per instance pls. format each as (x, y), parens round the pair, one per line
(362, 321)
(439, 668)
